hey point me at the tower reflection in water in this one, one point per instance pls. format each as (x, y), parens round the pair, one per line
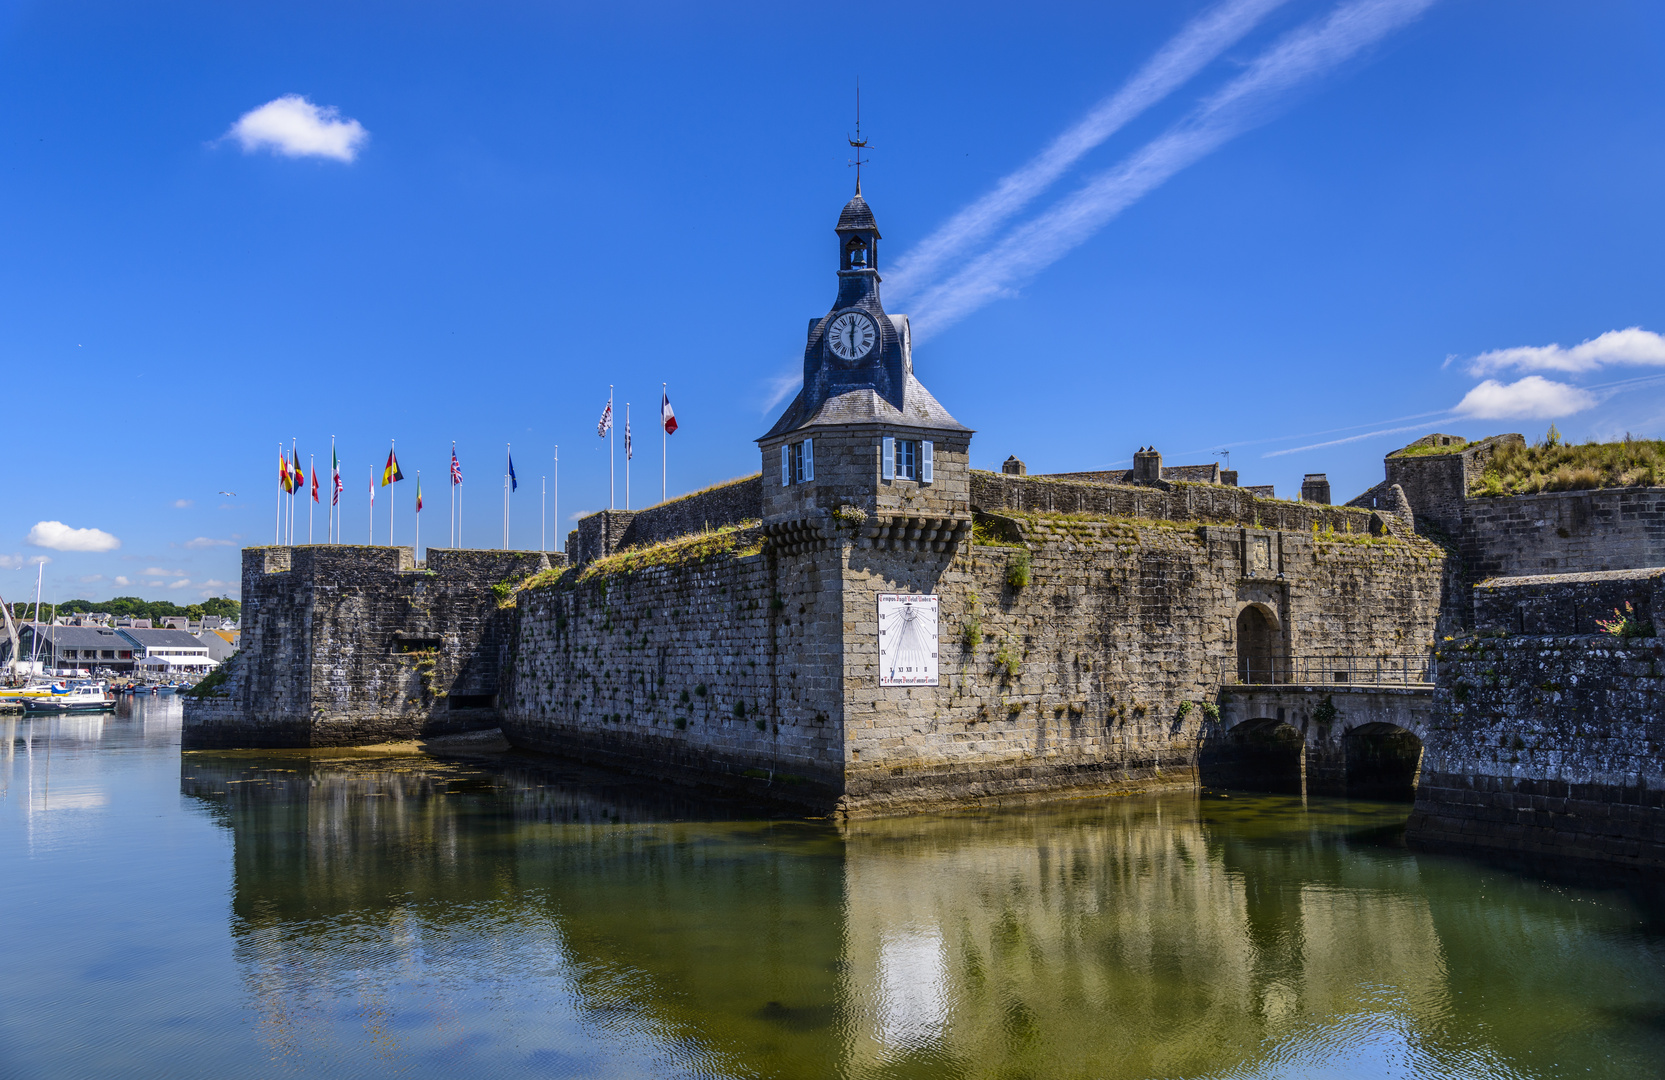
(548, 920)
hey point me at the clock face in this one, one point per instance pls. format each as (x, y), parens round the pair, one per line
(852, 335)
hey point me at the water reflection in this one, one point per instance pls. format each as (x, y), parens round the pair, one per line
(418, 914)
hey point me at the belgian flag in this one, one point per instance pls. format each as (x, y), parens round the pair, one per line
(391, 473)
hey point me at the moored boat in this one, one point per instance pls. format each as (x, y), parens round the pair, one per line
(88, 697)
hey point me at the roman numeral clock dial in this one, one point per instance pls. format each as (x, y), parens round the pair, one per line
(852, 336)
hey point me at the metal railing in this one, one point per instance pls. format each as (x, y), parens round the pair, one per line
(1390, 670)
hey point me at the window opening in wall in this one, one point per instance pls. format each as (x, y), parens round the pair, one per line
(907, 459)
(798, 462)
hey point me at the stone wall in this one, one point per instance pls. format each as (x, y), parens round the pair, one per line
(706, 660)
(346, 645)
(1564, 532)
(607, 531)
(723, 660)
(994, 492)
(1547, 746)
(1567, 603)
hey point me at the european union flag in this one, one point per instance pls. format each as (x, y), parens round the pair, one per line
(514, 485)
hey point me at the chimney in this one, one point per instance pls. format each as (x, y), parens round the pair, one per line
(1147, 465)
(1014, 467)
(1316, 488)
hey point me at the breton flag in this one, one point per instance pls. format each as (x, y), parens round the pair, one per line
(667, 415)
(391, 473)
(335, 473)
(514, 484)
(300, 475)
(284, 481)
(628, 453)
(456, 469)
(606, 423)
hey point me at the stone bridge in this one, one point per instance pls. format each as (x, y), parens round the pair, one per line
(1360, 740)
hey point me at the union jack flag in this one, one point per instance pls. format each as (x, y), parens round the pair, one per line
(456, 469)
(606, 423)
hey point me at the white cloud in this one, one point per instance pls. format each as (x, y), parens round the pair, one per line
(208, 542)
(295, 127)
(90, 578)
(212, 583)
(39, 560)
(122, 581)
(181, 584)
(10, 562)
(1533, 397)
(60, 537)
(181, 504)
(156, 571)
(1634, 346)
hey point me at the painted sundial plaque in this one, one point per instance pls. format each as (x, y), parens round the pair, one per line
(908, 639)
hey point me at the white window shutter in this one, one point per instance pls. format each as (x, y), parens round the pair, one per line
(925, 463)
(785, 464)
(809, 460)
(887, 459)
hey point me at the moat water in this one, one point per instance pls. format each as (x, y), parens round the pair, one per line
(300, 914)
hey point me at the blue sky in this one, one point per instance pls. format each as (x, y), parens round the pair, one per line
(1301, 222)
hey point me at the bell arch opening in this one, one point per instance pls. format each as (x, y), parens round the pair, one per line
(1259, 647)
(1383, 762)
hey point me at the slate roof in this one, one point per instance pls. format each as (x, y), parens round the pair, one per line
(75, 637)
(161, 639)
(867, 406)
(857, 215)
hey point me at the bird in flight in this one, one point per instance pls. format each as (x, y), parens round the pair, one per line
(233, 494)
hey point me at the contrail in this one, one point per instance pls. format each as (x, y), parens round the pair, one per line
(1304, 53)
(1192, 49)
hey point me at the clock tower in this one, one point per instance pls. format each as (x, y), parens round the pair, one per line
(864, 443)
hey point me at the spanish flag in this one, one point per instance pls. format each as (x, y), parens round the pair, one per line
(284, 481)
(391, 473)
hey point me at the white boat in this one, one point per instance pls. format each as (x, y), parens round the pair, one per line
(87, 697)
(38, 688)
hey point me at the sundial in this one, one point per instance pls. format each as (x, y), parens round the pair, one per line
(908, 639)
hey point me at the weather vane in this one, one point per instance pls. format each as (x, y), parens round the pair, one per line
(858, 142)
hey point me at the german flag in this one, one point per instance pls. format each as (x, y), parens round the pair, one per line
(299, 481)
(391, 473)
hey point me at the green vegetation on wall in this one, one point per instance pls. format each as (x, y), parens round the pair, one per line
(1552, 465)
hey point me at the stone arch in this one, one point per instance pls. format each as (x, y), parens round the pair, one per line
(1382, 761)
(1266, 754)
(1260, 652)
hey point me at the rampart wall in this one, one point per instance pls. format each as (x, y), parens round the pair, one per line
(1547, 746)
(723, 660)
(606, 531)
(345, 645)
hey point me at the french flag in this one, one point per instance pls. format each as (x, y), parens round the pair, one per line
(667, 415)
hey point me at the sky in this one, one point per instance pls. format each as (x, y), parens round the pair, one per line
(1298, 232)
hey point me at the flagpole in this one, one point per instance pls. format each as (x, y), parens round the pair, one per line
(664, 437)
(629, 452)
(372, 505)
(418, 548)
(277, 532)
(611, 504)
(556, 505)
(508, 456)
(311, 503)
(392, 452)
(290, 533)
(452, 520)
(543, 516)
